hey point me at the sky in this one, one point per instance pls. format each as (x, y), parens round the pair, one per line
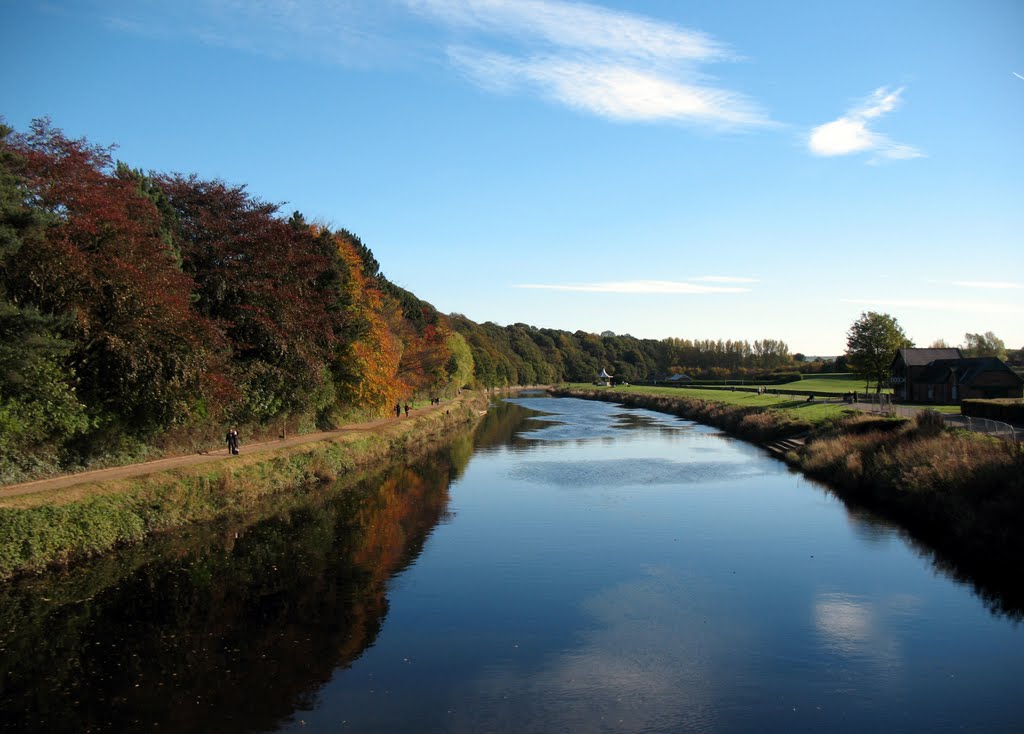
(723, 170)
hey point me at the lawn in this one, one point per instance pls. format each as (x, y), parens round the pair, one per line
(812, 412)
(831, 382)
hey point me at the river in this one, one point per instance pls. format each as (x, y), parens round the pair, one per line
(573, 566)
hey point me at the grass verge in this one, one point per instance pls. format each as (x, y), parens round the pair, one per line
(58, 526)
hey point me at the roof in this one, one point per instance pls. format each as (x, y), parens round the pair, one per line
(967, 369)
(920, 357)
(678, 378)
(604, 373)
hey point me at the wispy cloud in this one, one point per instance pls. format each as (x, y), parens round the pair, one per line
(609, 63)
(925, 304)
(1018, 75)
(576, 25)
(725, 279)
(638, 287)
(852, 132)
(988, 284)
(350, 33)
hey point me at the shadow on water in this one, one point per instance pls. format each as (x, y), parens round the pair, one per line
(994, 581)
(232, 627)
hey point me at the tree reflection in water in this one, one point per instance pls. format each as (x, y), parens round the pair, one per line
(228, 628)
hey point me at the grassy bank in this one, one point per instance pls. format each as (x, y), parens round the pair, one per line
(57, 526)
(963, 493)
(763, 417)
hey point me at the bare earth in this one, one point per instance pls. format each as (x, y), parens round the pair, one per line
(175, 462)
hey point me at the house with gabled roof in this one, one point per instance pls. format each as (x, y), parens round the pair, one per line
(946, 376)
(908, 364)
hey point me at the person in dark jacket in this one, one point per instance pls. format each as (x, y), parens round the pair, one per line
(232, 440)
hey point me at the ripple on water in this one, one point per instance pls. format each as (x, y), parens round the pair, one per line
(627, 472)
(592, 420)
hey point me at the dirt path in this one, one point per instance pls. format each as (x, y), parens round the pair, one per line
(176, 462)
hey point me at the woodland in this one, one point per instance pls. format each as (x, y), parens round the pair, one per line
(145, 312)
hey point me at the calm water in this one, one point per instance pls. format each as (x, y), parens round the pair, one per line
(592, 569)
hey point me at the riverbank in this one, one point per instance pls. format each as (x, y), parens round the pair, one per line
(64, 523)
(961, 493)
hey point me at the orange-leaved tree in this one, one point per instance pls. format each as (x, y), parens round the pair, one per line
(368, 381)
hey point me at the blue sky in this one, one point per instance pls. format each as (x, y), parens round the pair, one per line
(660, 168)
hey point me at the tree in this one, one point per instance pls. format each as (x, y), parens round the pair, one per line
(939, 344)
(103, 268)
(871, 345)
(984, 345)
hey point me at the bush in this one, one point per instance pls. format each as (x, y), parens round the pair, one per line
(929, 422)
(1007, 410)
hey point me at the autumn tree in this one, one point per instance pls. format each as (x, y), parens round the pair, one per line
(271, 287)
(367, 381)
(871, 346)
(138, 355)
(39, 408)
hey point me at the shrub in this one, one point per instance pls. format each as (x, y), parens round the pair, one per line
(1006, 410)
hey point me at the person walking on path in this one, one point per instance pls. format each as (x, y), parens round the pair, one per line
(232, 440)
(407, 410)
(398, 410)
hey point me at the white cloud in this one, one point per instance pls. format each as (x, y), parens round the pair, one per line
(852, 133)
(577, 26)
(618, 92)
(638, 287)
(613, 64)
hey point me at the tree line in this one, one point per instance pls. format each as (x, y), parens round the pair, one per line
(141, 311)
(140, 305)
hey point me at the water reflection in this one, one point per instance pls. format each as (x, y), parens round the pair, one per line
(637, 667)
(590, 420)
(680, 582)
(230, 628)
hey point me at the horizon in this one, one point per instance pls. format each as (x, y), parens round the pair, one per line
(735, 171)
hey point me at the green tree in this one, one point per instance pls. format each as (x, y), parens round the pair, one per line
(984, 345)
(871, 345)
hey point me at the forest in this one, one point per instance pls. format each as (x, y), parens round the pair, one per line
(143, 312)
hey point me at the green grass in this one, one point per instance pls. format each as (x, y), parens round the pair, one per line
(796, 406)
(947, 409)
(831, 382)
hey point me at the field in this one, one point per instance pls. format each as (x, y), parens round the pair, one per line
(798, 407)
(832, 382)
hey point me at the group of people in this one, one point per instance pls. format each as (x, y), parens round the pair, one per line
(399, 407)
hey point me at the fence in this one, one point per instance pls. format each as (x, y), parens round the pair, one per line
(986, 425)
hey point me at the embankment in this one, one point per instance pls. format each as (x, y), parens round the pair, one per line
(961, 493)
(53, 527)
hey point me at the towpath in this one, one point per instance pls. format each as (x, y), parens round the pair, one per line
(177, 462)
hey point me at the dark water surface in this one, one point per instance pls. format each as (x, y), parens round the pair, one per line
(593, 569)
